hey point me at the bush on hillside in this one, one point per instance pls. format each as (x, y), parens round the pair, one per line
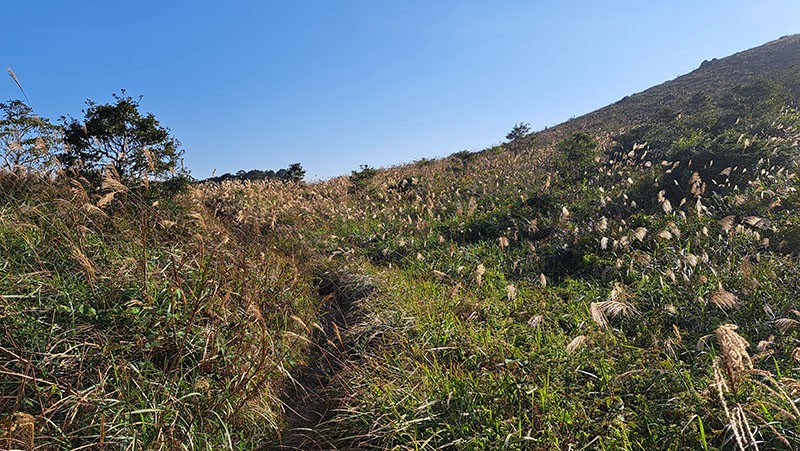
(361, 178)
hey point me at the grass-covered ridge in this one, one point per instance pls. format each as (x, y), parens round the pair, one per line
(635, 289)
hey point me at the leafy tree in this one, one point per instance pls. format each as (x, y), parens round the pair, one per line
(24, 137)
(117, 134)
(517, 137)
(295, 173)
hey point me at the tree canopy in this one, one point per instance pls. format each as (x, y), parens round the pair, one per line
(294, 173)
(25, 138)
(518, 137)
(136, 145)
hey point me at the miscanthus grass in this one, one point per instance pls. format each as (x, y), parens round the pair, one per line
(643, 299)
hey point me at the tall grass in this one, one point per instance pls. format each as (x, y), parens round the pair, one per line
(142, 326)
(481, 301)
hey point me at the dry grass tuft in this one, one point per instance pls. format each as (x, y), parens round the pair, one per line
(85, 264)
(697, 186)
(724, 299)
(735, 357)
(727, 223)
(536, 321)
(786, 324)
(576, 343)
(480, 270)
(666, 206)
(454, 291)
(511, 293)
(616, 305)
(602, 311)
(665, 235)
(502, 242)
(106, 199)
(111, 181)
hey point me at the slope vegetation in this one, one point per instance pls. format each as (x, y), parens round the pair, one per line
(730, 82)
(633, 287)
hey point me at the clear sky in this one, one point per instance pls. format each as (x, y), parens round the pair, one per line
(334, 84)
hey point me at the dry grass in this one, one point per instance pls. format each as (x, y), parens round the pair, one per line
(736, 360)
(576, 343)
(724, 299)
(617, 305)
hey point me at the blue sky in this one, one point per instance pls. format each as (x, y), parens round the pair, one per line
(336, 84)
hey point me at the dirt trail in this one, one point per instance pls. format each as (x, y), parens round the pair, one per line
(309, 402)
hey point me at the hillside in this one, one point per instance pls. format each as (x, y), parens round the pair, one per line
(631, 286)
(718, 81)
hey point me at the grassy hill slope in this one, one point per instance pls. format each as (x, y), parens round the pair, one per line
(633, 288)
(737, 78)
